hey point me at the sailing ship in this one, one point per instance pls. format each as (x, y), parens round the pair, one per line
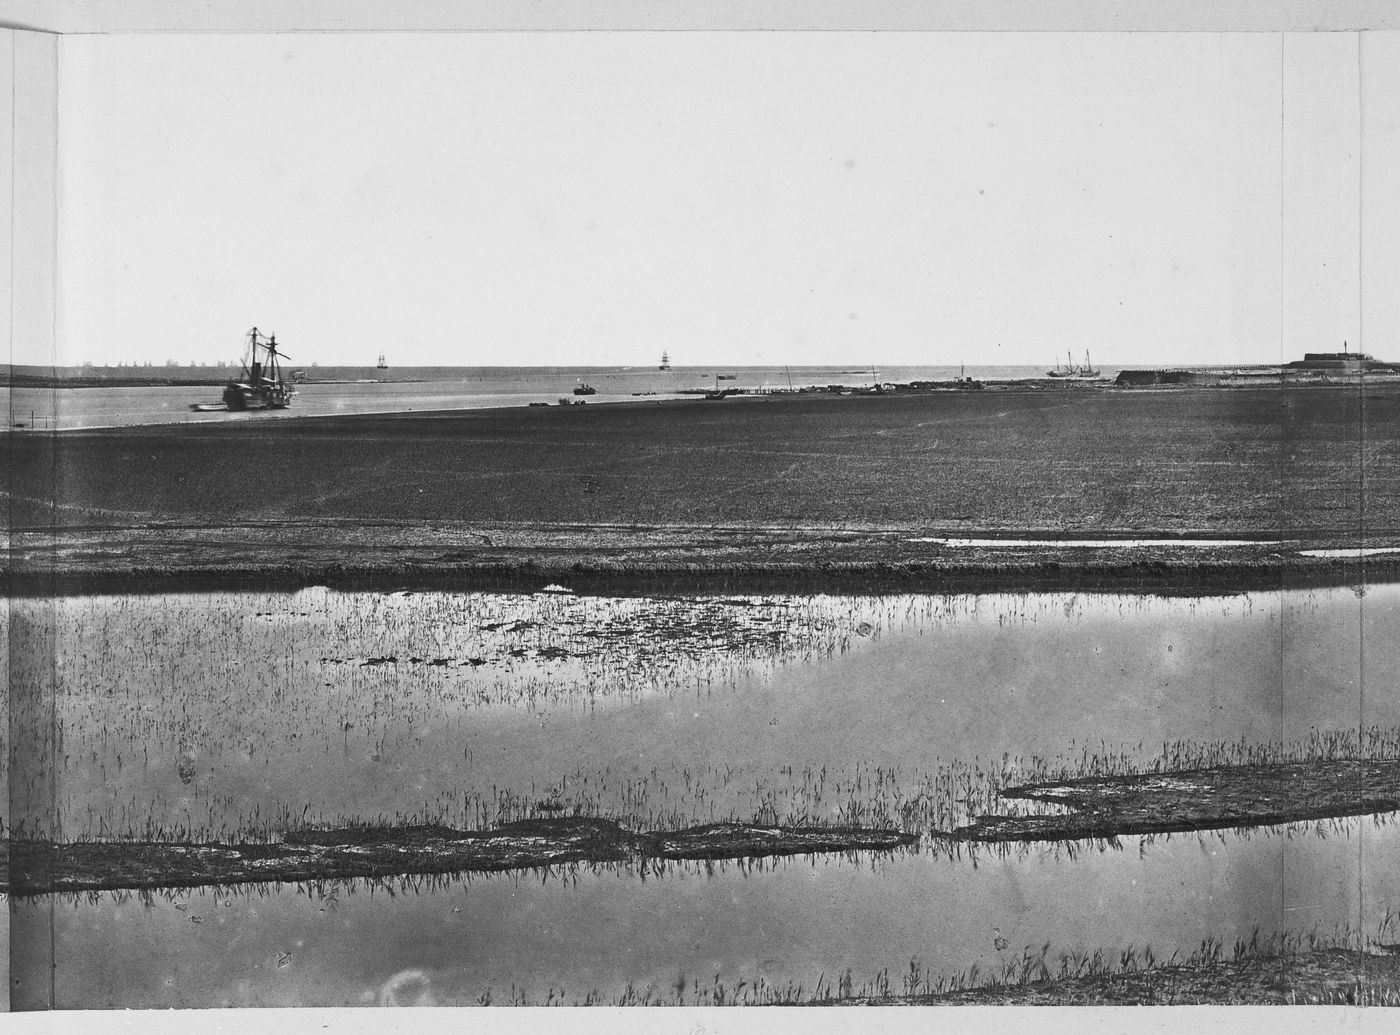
(665, 361)
(1070, 370)
(381, 365)
(260, 385)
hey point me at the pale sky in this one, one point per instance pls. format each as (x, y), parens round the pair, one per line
(740, 198)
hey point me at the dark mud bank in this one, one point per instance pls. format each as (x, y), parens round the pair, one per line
(1173, 576)
(1202, 799)
(351, 852)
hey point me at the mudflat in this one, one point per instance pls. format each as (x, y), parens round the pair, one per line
(786, 488)
(376, 852)
(1202, 799)
(1171, 490)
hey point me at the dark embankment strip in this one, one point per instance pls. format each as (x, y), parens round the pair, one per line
(43, 867)
(1202, 799)
(1176, 577)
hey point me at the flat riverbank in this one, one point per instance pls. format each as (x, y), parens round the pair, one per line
(630, 670)
(524, 557)
(950, 490)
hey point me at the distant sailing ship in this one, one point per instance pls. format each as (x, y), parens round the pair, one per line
(665, 361)
(1070, 370)
(261, 386)
(381, 365)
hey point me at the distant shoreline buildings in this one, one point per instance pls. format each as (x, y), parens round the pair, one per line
(1342, 362)
(1315, 367)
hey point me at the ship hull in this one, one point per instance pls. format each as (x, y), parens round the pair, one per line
(253, 397)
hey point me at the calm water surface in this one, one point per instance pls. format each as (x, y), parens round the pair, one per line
(240, 714)
(366, 390)
(575, 931)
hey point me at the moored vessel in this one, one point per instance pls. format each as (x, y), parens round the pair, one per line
(1070, 369)
(261, 385)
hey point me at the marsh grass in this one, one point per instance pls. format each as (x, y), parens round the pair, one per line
(1341, 963)
(225, 717)
(1313, 968)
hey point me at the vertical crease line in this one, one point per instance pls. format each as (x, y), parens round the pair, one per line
(11, 958)
(1283, 443)
(53, 607)
(1361, 463)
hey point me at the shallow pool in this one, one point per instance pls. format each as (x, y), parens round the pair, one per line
(231, 715)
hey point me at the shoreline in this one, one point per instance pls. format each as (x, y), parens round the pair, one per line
(806, 495)
(531, 400)
(608, 559)
(994, 386)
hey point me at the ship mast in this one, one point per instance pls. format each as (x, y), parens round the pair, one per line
(254, 364)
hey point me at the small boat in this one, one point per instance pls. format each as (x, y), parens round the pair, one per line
(582, 388)
(260, 386)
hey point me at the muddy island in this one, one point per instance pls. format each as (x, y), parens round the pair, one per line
(1202, 799)
(37, 868)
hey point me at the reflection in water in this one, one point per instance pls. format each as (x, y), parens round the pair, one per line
(224, 715)
(407, 988)
(161, 404)
(589, 933)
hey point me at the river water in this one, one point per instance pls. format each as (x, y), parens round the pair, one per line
(577, 931)
(366, 390)
(231, 715)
